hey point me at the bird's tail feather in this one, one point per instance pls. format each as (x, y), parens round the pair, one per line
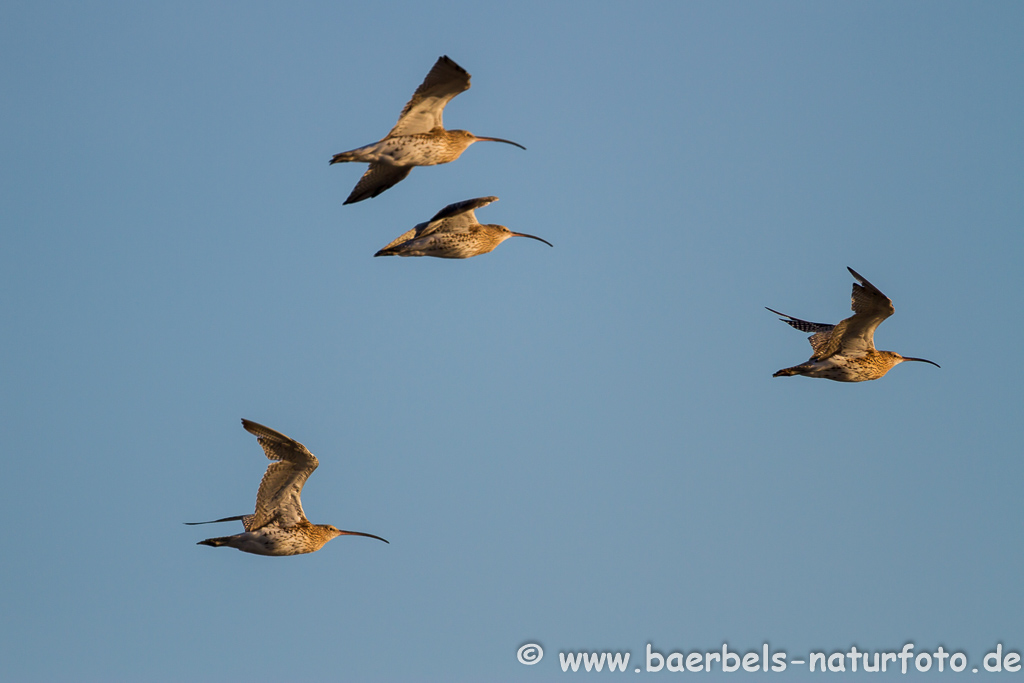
(789, 372)
(342, 157)
(215, 542)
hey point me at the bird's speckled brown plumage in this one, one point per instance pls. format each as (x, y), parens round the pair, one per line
(419, 138)
(279, 525)
(453, 233)
(846, 352)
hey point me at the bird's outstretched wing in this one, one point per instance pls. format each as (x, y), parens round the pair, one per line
(423, 112)
(279, 497)
(457, 217)
(820, 332)
(244, 519)
(802, 325)
(378, 177)
(855, 336)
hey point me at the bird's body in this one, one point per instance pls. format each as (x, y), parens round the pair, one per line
(438, 146)
(453, 233)
(419, 138)
(871, 365)
(274, 539)
(846, 352)
(279, 525)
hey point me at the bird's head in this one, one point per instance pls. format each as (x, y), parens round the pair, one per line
(899, 359)
(890, 359)
(464, 138)
(499, 233)
(334, 532)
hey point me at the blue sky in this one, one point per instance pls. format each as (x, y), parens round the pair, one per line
(580, 447)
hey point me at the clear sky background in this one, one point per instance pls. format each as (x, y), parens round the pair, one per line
(581, 447)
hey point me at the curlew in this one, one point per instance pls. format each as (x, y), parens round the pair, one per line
(279, 526)
(419, 137)
(846, 352)
(453, 233)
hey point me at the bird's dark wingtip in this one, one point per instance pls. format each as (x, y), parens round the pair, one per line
(353, 198)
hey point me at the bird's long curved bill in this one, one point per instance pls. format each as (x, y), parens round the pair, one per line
(923, 360)
(533, 237)
(507, 142)
(360, 533)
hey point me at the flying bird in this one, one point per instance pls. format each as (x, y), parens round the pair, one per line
(846, 352)
(453, 233)
(419, 137)
(279, 526)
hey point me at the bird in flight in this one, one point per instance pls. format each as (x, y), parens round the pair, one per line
(419, 138)
(453, 233)
(279, 525)
(846, 352)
